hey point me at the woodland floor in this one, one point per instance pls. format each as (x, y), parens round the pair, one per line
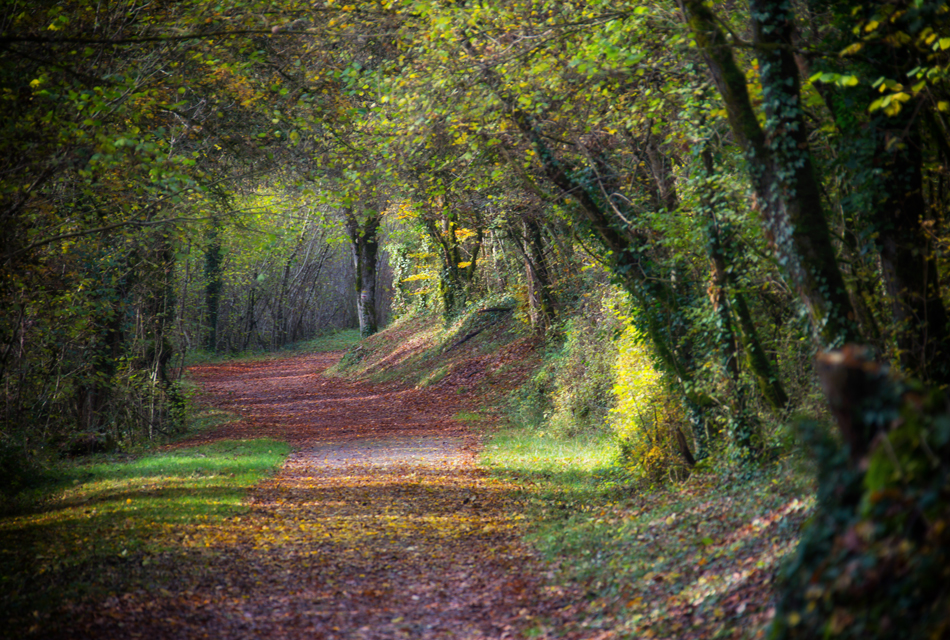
(379, 525)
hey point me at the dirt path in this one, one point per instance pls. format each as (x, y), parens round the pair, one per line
(379, 525)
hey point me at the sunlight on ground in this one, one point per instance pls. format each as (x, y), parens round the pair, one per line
(539, 452)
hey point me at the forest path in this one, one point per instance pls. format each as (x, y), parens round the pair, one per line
(379, 524)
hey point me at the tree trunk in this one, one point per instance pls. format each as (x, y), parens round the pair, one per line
(365, 247)
(780, 162)
(456, 281)
(540, 295)
(907, 259)
(729, 297)
(212, 271)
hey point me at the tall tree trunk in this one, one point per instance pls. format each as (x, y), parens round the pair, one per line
(742, 424)
(540, 295)
(456, 280)
(728, 297)
(279, 331)
(780, 162)
(365, 247)
(907, 259)
(212, 271)
(158, 308)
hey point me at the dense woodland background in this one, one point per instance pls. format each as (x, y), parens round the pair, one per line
(689, 201)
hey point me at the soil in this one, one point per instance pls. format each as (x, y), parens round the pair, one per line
(379, 524)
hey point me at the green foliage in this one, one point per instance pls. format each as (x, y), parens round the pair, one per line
(644, 413)
(584, 376)
(21, 469)
(571, 394)
(277, 263)
(413, 262)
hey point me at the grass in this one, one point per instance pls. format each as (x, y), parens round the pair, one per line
(112, 510)
(529, 453)
(657, 561)
(333, 341)
(336, 341)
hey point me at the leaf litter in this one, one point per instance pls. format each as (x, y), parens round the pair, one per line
(378, 525)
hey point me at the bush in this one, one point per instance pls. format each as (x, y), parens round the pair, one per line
(644, 412)
(875, 560)
(584, 376)
(571, 394)
(20, 469)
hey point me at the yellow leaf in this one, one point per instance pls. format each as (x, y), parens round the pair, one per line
(852, 49)
(893, 108)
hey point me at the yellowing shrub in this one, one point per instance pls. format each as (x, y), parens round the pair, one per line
(642, 411)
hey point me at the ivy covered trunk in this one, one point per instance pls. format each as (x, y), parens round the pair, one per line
(212, 272)
(908, 263)
(779, 161)
(875, 561)
(540, 295)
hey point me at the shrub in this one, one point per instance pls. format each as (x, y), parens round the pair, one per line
(644, 412)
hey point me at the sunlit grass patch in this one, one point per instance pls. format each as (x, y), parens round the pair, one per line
(117, 507)
(336, 341)
(529, 452)
(661, 561)
(203, 417)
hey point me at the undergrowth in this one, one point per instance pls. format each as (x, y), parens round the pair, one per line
(661, 560)
(332, 341)
(571, 393)
(422, 350)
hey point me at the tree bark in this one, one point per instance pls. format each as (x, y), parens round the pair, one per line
(780, 163)
(907, 259)
(727, 296)
(540, 295)
(456, 281)
(365, 246)
(212, 269)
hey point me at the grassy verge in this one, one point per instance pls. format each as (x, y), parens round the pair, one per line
(109, 516)
(335, 341)
(694, 559)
